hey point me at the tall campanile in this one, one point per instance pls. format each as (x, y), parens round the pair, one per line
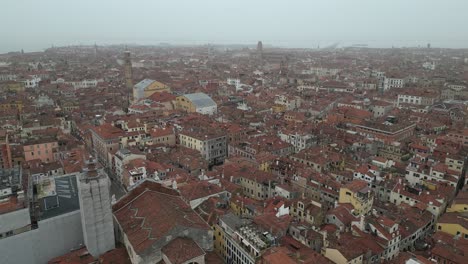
(128, 75)
(260, 50)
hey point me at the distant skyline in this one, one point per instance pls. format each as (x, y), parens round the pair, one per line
(36, 25)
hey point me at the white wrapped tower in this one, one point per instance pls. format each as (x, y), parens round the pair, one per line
(96, 211)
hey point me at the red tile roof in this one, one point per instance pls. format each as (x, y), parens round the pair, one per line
(162, 97)
(455, 218)
(278, 255)
(356, 185)
(298, 252)
(82, 256)
(161, 132)
(182, 249)
(343, 212)
(10, 205)
(277, 225)
(107, 131)
(150, 211)
(196, 190)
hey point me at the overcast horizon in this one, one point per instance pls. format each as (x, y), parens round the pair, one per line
(37, 25)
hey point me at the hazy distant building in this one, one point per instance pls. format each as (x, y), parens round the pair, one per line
(79, 83)
(321, 71)
(454, 91)
(128, 72)
(283, 68)
(31, 82)
(6, 76)
(5, 151)
(393, 82)
(417, 97)
(258, 54)
(275, 57)
(429, 65)
(96, 212)
(259, 47)
(95, 50)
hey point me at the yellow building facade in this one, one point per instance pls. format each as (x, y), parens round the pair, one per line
(196, 103)
(13, 86)
(359, 195)
(182, 103)
(218, 241)
(458, 207)
(239, 208)
(147, 87)
(264, 166)
(279, 108)
(455, 224)
(18, 105)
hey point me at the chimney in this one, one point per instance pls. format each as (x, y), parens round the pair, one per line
(324, 234)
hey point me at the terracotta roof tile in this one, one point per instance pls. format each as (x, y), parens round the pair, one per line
(181, 250)
(150, 211)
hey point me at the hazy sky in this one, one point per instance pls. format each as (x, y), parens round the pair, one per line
(37, 24)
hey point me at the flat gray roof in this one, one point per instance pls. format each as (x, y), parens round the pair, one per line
(66, 199)
(200, 99)
(143, 84)
(233, 221)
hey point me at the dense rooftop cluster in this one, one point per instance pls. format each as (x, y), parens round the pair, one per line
(238, 155)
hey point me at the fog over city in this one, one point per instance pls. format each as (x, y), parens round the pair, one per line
(36, 25)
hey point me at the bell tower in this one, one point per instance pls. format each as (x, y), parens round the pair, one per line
(128, 76)
(260, 50)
